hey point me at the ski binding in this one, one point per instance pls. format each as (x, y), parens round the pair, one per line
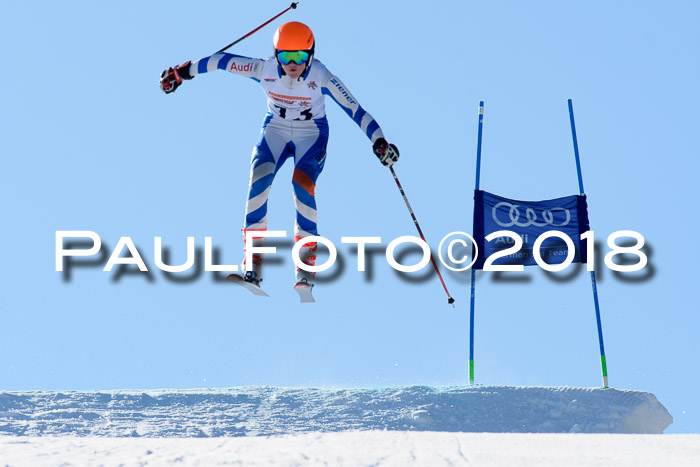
(304, 289)
(255, 289)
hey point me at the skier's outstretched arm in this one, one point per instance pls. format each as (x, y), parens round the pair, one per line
(171, 78)
(387, 153)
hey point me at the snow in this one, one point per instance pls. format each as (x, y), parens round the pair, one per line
(262, 411)
(359, 448)
(481, 425)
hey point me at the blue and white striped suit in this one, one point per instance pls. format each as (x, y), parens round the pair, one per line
(295, 126)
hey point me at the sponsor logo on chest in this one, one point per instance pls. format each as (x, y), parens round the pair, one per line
(299, 100)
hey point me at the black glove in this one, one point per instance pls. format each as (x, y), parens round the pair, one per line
(171, 78)
(387, 153)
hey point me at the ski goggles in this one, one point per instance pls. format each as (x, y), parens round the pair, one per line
(297, 56)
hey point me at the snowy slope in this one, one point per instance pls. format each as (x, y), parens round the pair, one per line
(264, 411)
(364, 448)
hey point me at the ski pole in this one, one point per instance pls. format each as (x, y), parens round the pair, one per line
(291, 7)
(450, 300)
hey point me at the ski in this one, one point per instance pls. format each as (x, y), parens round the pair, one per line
(304, 289)
(255, 289)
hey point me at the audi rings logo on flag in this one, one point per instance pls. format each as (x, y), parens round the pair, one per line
(529, 220)
(515, 215)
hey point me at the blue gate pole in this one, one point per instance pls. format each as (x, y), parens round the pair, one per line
(473, 281)
(603, 362)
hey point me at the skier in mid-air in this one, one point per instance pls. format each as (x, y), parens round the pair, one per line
(295, 125)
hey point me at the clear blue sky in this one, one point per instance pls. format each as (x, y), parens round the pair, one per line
(91, 143)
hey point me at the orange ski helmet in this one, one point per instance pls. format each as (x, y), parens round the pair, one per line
(293, 36)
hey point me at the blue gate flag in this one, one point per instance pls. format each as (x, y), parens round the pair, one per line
(529, 219)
